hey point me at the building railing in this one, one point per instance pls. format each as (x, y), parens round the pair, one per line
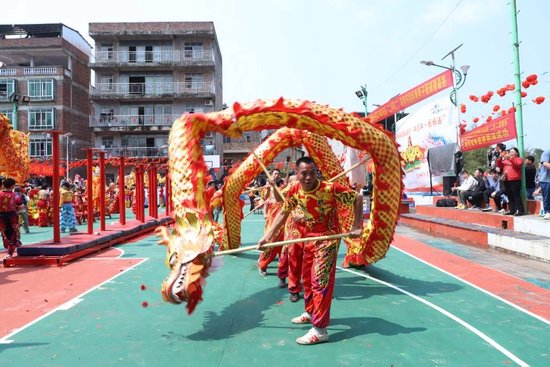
(163, 89)
(111, 120)
(136, 152)
(240, 146)
(178, 57)
(34, 70)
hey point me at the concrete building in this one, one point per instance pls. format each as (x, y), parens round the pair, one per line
(44, 83)
(146, 76)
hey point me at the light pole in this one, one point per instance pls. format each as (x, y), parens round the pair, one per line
(362, 94)
(16, 98)
(66, 135)
(459, 78)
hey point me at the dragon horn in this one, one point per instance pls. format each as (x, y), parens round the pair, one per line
(162, 232)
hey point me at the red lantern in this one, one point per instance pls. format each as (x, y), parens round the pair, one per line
(511, 110)
(525, 84)
(539, 100)
(523, 94)
(503, 112)
(535, 82)
(474, 98)
(531, 78)
(476, 119)
(510, 87)
(496, 108)
(501, 92)
(462, 108)
(489, 119)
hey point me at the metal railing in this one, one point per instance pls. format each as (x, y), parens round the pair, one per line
(150, 152)
(179, 57)
(34, 70)
(151, 89)
(111, 120)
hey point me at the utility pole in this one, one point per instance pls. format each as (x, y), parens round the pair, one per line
(519, 106)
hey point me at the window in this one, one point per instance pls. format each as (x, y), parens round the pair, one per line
(40, 89)
(107, 141)
(194, 80)
(132, 50)
(148, 53)
(192, 49)
(7, 112)
(106, 83)
(107, 51)
(41, 119)
(40, 147)
(7, 88)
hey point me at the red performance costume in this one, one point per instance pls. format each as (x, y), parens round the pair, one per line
(9, 221)
(272, 207)
(317, 199)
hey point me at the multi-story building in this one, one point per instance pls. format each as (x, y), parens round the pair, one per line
(146, 76)
(44, 82)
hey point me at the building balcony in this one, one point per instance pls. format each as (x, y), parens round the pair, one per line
(30, 71)
(152, 90)
(152, 58)
(107, 120)
(136, 152)
(239, 147)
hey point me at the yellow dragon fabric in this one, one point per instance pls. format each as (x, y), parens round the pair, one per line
(14, 156)
(191, 242)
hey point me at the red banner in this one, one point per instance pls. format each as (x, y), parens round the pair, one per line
(493, 132)
(44, 169)
(413, 96)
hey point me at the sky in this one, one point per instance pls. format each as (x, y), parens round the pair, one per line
(325, 50)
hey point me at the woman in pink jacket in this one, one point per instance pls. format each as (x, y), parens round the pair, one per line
(510, 164)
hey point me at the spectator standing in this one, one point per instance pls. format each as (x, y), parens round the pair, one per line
(530, 174)
(511, 165)
(22, 200)
(544, 179)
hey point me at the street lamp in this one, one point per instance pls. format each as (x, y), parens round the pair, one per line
(459, 78)
(362, 94)
(67, 135)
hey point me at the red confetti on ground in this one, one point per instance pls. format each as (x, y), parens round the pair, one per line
(144, 304)
(280, 302)
(143, 287)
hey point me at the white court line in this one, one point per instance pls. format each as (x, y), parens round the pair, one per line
(74, 300)
(453, 317)
(519, 308)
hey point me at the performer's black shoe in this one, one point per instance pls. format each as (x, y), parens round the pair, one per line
(294, 297)
(282, 283)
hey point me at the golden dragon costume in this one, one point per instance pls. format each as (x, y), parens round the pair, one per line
(14, 153)
(191, 243)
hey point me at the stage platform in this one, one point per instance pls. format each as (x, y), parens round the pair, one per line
(81, 243)
(527, 235)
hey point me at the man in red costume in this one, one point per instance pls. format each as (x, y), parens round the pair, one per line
(9, 219)
(273, 203)
(317, 200)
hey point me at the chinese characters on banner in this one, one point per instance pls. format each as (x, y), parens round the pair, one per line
(44, 169)
(413, 96)
(493, 132)
(432, 126)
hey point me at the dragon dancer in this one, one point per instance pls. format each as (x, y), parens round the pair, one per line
(9, 219)
(317, 200)
(273, 204)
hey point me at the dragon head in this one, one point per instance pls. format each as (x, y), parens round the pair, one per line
(189, 248)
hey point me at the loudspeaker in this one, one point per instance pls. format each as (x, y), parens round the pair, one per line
(448, 182)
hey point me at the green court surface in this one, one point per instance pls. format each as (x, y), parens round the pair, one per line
(397, 312)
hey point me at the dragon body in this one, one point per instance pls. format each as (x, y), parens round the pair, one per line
(190, 245)
(14, 156)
